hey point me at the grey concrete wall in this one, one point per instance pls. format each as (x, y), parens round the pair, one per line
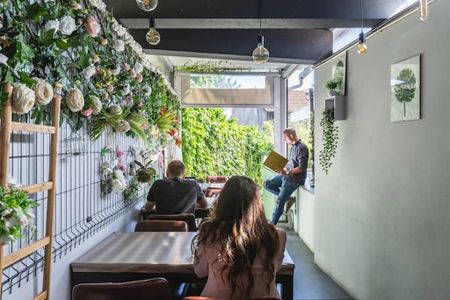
(382, 225)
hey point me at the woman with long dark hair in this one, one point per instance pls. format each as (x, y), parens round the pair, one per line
(237, 248)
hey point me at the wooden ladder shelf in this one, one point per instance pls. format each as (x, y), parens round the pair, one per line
(7, 127)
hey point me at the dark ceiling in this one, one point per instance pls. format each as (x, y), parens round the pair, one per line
(295, 31)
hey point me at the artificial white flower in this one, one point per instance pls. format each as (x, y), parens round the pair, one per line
(118, 174)
(99, 4)
(89, 72)
(115, 109)
(117, 185)
(96, 105)
(3, 59)
(74, 100)
(43, 91)
(147, 90)
(67, 25)
(126, 89)
(52, 24)
(116, 70)
(119, 45)
(23, 99)
(138, 67)
(122, 126)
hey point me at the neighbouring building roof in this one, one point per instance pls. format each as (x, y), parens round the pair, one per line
(297, 100)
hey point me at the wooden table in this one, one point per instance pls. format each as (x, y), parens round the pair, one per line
(141, 255)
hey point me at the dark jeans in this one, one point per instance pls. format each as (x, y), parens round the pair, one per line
(283, 189)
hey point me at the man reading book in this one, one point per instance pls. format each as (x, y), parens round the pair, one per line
(291, 176)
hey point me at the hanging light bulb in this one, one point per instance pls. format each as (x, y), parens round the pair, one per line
(153, 37)
(362, 46)
(423, 10)
(147, 5)
(260, 54)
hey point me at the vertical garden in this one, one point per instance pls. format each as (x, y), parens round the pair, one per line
(213, 144)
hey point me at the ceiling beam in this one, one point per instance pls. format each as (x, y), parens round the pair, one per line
(293, 45)
(248, 9)
(141, 23)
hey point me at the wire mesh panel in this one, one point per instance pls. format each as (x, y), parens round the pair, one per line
(80, 211)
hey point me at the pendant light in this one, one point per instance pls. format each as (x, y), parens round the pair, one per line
(362, 46)
(260, 55)
(423, 9)
(147, 5)
(152, 37)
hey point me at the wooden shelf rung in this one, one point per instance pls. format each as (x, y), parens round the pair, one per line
(36, 188)
(24, 252)
(41, 296)
(18, 126)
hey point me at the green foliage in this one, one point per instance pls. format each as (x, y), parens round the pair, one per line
(37, 45)
(406, 89)
(131, 191)
(330, 139)
(215, 145)
(311, 141)
(15, 206)
(209, 67)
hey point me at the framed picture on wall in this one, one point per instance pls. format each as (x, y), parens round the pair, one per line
(339, 71)
(405, 90)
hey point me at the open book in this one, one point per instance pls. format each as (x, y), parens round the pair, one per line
(275, 162)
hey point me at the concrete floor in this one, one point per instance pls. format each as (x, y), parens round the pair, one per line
(310, 282)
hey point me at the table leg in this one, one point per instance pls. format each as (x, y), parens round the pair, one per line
(287, 287)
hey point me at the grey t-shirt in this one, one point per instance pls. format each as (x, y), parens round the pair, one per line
(175, 195)
(298, 157)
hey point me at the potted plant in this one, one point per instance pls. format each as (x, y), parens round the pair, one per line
(131, 191)
(330, 139)
(15, 214)
(334, 86)
(144, 173)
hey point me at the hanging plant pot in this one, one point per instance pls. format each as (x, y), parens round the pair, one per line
(333, 93)
(145, 175)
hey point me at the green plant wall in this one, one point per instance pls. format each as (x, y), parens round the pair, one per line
(215, 145)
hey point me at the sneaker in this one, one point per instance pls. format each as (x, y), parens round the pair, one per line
(290, 201)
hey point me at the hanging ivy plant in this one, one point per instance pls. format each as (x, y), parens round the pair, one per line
(330, 139)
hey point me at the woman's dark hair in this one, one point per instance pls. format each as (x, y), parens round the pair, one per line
(238, 223)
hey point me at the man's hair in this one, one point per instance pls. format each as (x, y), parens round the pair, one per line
(290, 131)
(176, 168)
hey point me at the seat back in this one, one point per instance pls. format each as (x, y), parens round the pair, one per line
(157, 289)
(216, 179)
(209, 298)
(161, 225)
(188, 218)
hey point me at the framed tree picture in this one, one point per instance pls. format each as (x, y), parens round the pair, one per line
(405, 90)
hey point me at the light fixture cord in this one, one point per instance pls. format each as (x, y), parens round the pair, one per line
(362, 14)
(260, 16)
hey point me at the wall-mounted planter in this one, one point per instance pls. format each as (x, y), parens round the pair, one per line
(339, 104)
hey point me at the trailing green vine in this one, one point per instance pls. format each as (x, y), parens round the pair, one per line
(330, 139)
(311, 142)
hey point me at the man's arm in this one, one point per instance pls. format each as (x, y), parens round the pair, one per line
(150, 205)
(201, 203)
(201, 200)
